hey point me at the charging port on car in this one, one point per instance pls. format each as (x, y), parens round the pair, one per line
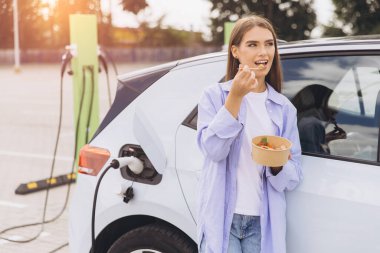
(149, 175)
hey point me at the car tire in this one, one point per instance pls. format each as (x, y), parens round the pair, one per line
(153, 238)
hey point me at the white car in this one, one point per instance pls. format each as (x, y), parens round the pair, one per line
(334, 84)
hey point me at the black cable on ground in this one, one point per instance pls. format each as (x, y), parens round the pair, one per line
(60, 247)
(75, 148)
(44, 221)
(52, 170)
(48, 188)
(74, 155)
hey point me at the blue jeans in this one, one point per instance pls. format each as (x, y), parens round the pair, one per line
(245, 235)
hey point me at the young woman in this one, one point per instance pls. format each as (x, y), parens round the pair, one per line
(242, 204)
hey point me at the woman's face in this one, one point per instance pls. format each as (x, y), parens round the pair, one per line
(256, 50)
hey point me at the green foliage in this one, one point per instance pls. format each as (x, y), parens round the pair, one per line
(293, 20)
(359, 17)
(332, 31)
(60, 18)
(30, 22)
(42, 25)
(6, 24)
(134, 6)
(169, 37)
(160, 36)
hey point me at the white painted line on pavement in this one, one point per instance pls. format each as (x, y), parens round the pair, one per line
(20, 238)
(12, 237)
(31, 155)
(11, 204)
(44, 234)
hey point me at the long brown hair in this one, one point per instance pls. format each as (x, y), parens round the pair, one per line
(274, 77)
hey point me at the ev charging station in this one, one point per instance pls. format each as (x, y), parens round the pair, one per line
(84, 65)
(82, 59)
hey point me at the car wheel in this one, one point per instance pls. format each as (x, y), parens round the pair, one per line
(153, 238)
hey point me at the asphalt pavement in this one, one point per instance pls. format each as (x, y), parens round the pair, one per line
(29, 112)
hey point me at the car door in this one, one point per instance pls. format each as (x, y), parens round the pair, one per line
(189, 159)
(337, 206)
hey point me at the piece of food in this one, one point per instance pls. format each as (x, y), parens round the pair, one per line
(263, 141)
(266, 145)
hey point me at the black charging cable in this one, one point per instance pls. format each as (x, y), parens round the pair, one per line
(114, 164)
(136, 165)
(103, 61)
(104, 58)
(91, 70)
(108, 57)
(66, 58)
(75, 146)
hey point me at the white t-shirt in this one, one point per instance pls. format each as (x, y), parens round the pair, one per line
(249, 181)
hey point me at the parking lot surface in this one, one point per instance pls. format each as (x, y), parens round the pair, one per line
(29, 112)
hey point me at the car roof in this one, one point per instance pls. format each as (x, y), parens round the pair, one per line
(332, 44)
(349, 43)
(337, 40)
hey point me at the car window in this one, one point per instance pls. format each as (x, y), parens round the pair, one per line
(192, 119)
(338, 104)
(357, 91)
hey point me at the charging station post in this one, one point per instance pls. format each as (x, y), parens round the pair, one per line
(85, 65)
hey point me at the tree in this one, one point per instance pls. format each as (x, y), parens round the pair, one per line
(43, 25)
(154, 34)
(293, 20)
(170, 37)
(6, 24)
(31, 23)
(332, 31)
(34, 29)
(357, 17)
(62, 11)
(134, 6)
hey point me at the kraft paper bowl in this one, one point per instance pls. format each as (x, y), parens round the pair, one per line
(268, 157)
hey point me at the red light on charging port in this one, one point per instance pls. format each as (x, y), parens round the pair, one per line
(92, 159)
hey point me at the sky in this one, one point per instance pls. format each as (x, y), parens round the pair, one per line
(193, 14)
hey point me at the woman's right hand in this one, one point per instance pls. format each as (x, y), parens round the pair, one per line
(244, 82)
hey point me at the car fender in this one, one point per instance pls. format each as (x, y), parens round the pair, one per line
(162, 212)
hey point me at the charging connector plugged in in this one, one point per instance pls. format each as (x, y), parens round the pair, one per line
(133, 163)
